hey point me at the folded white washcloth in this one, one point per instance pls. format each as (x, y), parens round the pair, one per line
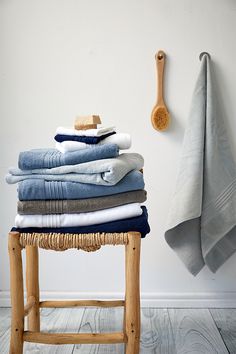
(89, 132)
(123, 140)
(81, 219)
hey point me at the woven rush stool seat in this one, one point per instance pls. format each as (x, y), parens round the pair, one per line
(61, 242)
(90, 242)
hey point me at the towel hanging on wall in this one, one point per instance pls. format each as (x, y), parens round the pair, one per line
(201, 226)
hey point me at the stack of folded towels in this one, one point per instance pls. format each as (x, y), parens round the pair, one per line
(82, 186)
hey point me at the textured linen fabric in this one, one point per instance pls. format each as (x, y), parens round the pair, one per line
(79, 205)
(79, 219)
(122, 140)
(49, 158)
(138, 224)
(39, 189)
(201, 226)
(100, 172)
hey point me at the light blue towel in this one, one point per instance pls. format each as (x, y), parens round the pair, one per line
(101, 172)
(38, 189)
(49, 158)
(202, 221)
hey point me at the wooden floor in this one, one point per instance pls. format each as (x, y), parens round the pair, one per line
(164, 331)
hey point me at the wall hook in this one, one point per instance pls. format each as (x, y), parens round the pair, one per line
(203, 53)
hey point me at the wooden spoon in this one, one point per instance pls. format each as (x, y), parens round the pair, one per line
(160, 116)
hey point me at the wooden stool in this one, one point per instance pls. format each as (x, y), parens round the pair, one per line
(88, 242)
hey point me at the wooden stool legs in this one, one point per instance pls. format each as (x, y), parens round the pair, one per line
(132, 296)
(17, 294)
(131, 329)
(32, 286)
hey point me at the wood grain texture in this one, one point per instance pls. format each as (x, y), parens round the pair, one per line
(148, 338)
(187, 332)
(29, 305)
(74, 338)
(5, 323)
(157, 336)
(160, 116)
(56, 320)
(5, 342)
(81, 303)
(5, 320)
(32, 286)
(132, 295)
(17, 293)
(87, 122)
(195, 332)
(225, 320)
(97, 321)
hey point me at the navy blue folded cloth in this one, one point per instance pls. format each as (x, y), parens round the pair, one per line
(82, 138)
(138, 224)
(50, 158)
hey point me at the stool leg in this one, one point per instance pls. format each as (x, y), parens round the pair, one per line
(32, 286)
(17, 294)
(132, 300)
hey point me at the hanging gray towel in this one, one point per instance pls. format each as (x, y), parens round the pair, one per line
(201, 226)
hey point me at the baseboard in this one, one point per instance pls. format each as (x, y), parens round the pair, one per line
(161, 300)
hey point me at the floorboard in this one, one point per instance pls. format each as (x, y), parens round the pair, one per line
(163, 331)
(52, 320)
(5, 320)
(159, 339)
(195, 332)
(225, 320)
(148, 338)
(5, 316)
(97, 320)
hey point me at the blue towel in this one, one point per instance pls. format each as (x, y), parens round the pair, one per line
(83, 139)
(32, 189)
(50, 158)
(101, 172)
(138, 224)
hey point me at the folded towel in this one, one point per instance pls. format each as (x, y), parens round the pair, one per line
(122, 140)
(101, 172)
(202, 221)
(39, 189)
(49, 158)
(89, 132)
(80, 205)
(82, 138)
(80, 219)
(139, 224)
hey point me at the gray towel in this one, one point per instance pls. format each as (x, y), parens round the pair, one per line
(80, 205)
(202, 220)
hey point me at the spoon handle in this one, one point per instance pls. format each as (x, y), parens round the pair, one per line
(160, 63)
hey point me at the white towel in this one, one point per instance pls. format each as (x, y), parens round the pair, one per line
(81, 219)
(123, 140)
(202, 221)
(89, 132)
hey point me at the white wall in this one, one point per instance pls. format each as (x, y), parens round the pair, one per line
(60, 58)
